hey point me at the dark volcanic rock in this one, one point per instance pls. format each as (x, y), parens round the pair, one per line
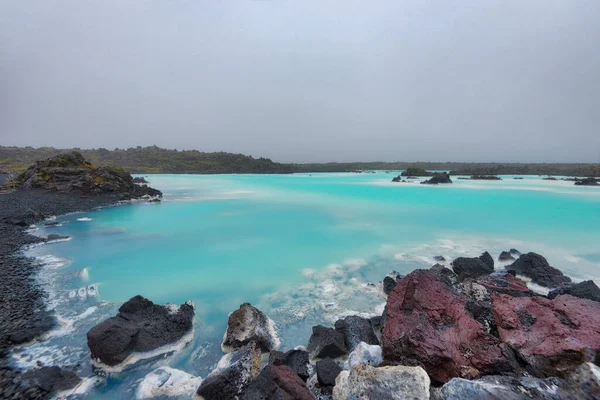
(444, 274)
(233, 374)
(588, 182)
(355, 330)
(327, 371)
(277, 382)
(51, 379)
(326, 342)
(584, 290)
(249, 324)
(536, 267)
(140, 179)
(296, 360)
(427, 325)
(485, 178)
(505, 256)
(554, 336)
(388, 284)
(71, 173)
(506, 284)
(472, 267)
(438, 177)
(54, 236)
(397, 179)
(515, 253)
(140, 326)
(439, 258)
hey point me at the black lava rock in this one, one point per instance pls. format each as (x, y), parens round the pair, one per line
(536, 267)
(355, 330)
(326, 342)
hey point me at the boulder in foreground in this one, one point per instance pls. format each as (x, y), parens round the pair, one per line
(277, 382)
(427, 324)
(472, 267)
(140, 326)
(233, 374)
(249, 324)
(296, 360)
(355, 330)
(382, 383)
(326, 342)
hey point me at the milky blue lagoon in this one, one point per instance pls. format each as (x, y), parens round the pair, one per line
(304, 248)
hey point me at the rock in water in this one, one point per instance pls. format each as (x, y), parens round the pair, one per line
(438, 177)
(472, 267)
(382, 383)
(427, 323)
(554, 336)
(296, 360)
(584, 290)
(536, 267)
(365, 354)
(232, 375)
(326, 342)
(277, 382)
(167, 382)
(249, 324)
(51, 379)
(505, 256)
(355, 330)
(140, 326)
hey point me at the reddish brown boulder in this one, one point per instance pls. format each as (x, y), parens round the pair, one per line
(554, 336)
(277, 382)
(427, 324)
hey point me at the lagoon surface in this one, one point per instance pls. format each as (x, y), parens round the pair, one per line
(303, 248)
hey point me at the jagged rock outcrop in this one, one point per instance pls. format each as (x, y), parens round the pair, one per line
(437, 178)
(472, 267)
(71, 173)
(584, 290)
(414, 172)
(536, 267)
(140, 326)
(51, 379)
(555, 336)
(427, 324)
(249, 324)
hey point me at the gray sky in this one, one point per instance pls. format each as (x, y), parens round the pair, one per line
(481, 80)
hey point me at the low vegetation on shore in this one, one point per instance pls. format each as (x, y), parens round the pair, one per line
(154, 159)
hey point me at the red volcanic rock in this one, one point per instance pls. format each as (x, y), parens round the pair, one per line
(277, 382)
(427, 324)
(554, 336)
(506, 284)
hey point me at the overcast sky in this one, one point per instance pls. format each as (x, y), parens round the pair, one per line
(306, 80)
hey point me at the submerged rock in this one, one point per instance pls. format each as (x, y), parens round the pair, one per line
(438, 177)
(53, 236)
(505, 256)
(296, 360)
(382, 383)
(276, 382)
(249, 324)
(167, 382)
(536, 267)
(472, 267)
(427, 323)
(51, 379)
(140, 326)
(356, 330)
(233, 374)
(554, 336)
(365, 354)
(584, 290)
(326, 342)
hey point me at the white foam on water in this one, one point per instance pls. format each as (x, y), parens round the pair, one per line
(85, 274)
(80, 389)
(534, 287)
(84, 219)
(136, 357)
(65, 239)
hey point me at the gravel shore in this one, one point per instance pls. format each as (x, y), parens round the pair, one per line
(22, 313)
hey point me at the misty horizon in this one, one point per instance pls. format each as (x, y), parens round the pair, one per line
(490, 81)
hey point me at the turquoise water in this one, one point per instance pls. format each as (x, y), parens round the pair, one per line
(301, 247)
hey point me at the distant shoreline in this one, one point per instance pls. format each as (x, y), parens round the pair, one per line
(156, 160)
